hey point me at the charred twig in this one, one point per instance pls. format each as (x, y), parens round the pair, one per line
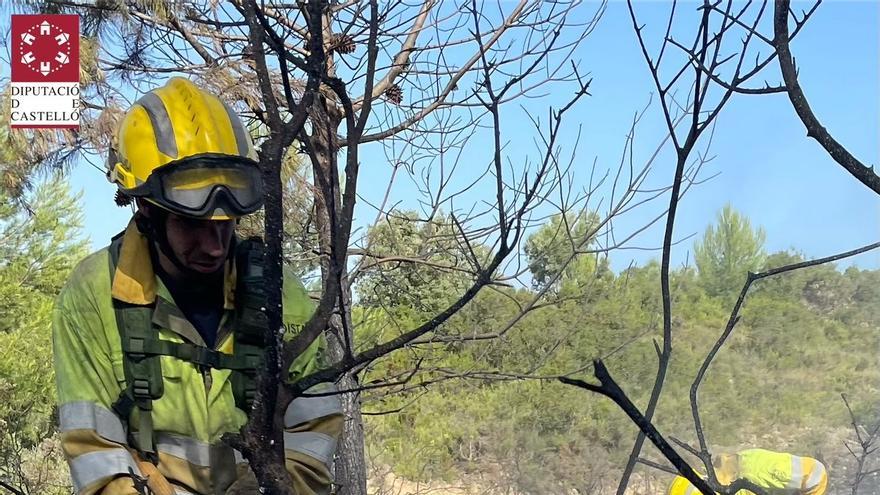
(657, 466)
(609, 388)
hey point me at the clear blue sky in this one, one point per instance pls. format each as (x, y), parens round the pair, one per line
(768, 169)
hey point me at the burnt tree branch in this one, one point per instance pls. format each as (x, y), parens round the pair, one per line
(815, 129)
(609, 388)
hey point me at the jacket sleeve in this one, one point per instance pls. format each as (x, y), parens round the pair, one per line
(313, 422)
(815, 478)
(312, 427)
(93, 437)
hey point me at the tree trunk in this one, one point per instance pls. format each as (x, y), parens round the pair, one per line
(349, 465)
(350, 469)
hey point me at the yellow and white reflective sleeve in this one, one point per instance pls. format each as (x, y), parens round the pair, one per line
(313, 425)
(93, 440)
(91, 472)
(312, 406)
(86, 415)
(318, 446)
(795, 482)
(808, 476)
(816, 478)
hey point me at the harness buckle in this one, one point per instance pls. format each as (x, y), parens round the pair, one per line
(205, 357)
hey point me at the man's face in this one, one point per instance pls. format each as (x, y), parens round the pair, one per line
(201, 245)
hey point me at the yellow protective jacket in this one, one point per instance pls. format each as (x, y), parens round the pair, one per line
(197, 407)
(778, 473)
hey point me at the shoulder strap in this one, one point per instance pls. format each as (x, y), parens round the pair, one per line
(143, 371)
(250, 296)
(250, 321)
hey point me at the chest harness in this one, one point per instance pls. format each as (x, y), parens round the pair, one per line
(141, 346)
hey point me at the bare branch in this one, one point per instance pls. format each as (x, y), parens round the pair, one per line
(815, 129)
(609, 388)
(451, 85)
(401, 61)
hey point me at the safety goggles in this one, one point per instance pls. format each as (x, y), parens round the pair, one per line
(205, 186)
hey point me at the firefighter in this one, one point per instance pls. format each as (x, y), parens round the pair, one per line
(158, 337)
(776, 472)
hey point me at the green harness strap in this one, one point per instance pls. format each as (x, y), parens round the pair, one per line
(142, 347)
(250, 323)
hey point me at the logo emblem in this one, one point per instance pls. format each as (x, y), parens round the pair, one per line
(39, 42)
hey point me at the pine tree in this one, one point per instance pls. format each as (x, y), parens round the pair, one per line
(38, 249)
(728, 251)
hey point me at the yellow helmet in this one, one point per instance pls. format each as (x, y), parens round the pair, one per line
(681, 486)
(186, 151)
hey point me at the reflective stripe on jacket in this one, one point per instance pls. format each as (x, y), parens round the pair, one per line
(196, 408)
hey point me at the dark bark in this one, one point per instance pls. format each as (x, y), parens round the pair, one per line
(350, 462)
(815, 129)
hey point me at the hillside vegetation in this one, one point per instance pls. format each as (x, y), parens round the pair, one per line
(805, 338)
(486, 415)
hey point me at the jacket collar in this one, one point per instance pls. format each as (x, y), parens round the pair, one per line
(135, 282)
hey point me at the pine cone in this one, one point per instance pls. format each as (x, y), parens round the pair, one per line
(121, 199)
(394, 94)
(343, 43)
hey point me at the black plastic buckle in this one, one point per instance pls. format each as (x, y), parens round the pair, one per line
(205, 357)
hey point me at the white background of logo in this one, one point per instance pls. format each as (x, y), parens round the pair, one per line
(40, 110)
